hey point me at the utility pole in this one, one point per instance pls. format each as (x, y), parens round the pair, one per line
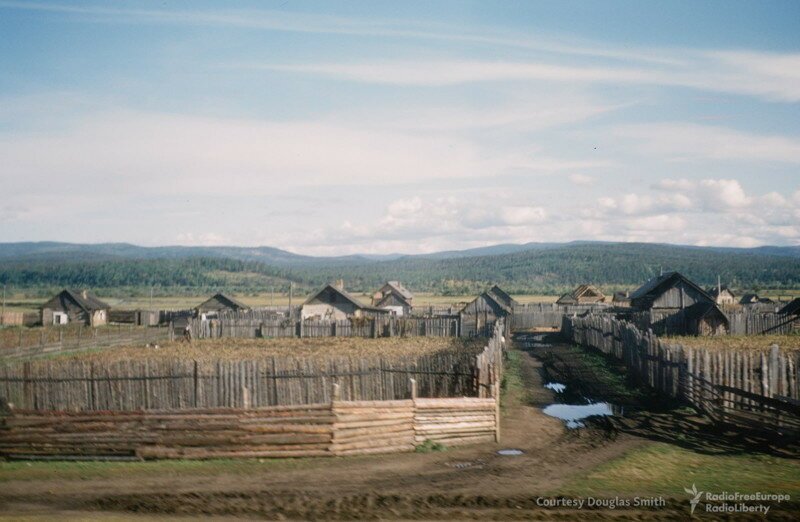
(291, 312)
(151, 298)
(272, 295)
(3, 314)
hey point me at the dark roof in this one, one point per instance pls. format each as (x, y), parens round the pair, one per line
(339, 291)
(657, 285)
(224, 298)
(792, 308)
(749, 298)
(621, 296)
(702, 309)
(491, 296)
(89, 303)
(503, 295)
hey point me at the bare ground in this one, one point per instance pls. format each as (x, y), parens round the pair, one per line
(467, 483)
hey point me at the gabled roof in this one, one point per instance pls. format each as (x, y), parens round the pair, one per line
(580, 291)
(792, 308)
(659, 284)
(700, 310)
(491, 296)
(89, 303)
(388, 295)
(502, 295)
(748, 299)
(398, 287)
(334, 289)
(225, 298)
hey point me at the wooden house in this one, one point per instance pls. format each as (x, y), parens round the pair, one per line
(72, 306)
(219, 303)
(722, 295)
(483, 311)
(394, 302)
(583, 294)
(393, 287)
(333, 303)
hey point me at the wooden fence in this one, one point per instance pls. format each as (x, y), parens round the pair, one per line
(547, 315)
(172, 384)
(390, 326)
(741, 322)
(54, 340)
(755, 389)
(43, 429)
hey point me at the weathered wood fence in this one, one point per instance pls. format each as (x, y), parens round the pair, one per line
(54, 340)
(390, 326)
(158, 384)
(547, 315)
(742, 322)
(754, 389)
(244, 428)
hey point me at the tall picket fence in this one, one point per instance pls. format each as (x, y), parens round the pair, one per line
(755, 389)
(175, 384)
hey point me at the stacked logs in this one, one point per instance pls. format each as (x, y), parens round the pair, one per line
(364, 427)
(283, 431)
(454, 422)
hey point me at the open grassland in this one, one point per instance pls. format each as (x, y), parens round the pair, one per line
(665, 469)
(322, 348)
(13, 336)
(739, 342)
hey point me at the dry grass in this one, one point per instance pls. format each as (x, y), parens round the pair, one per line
(740, 342)
(323, 348)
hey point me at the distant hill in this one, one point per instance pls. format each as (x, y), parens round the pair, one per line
(530, 268)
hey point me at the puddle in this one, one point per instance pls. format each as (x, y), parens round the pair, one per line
(509, 452)
(556, 387)
(573, 414)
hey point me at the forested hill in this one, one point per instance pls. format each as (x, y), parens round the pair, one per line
(534, 268)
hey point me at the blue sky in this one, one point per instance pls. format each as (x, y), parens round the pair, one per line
(377, 127)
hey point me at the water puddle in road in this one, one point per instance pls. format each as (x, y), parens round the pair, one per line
(574, 414)
(510, 452)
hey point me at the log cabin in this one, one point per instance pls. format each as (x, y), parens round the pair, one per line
(333, 303)
(583, 294)
(73, 306)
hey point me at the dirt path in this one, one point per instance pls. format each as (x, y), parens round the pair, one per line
(472, 482)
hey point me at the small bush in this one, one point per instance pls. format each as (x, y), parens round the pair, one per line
(430, 446)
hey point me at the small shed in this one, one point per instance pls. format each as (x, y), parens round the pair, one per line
(220, 303)
(722, 295)
(483, 311)
(707, 319)
(333, 303)
(502, 296)
(583, 294)
(73, 306)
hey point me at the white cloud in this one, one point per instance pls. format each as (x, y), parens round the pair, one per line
(581, 179)
(723, 194)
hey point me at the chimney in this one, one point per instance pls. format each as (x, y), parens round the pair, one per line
(339, 284)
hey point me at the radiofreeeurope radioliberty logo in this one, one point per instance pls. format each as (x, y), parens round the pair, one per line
(695, 497)
(734, 503)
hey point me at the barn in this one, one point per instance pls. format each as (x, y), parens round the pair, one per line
(72, 306)
(583, 294)
(220, 303)
(333, 303)
(791, 308)
(674, 303)
(503, 296)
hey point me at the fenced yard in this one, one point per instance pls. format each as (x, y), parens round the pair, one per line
(745, 384)
(276, 406)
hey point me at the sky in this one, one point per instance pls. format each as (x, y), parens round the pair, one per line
(331, 128)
